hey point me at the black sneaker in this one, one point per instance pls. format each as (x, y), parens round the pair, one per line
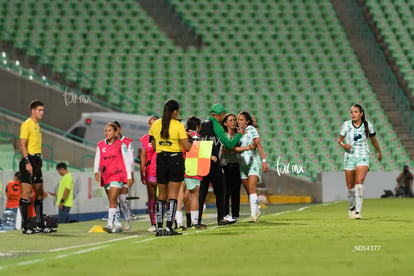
(159, 232)
(225, 222)
(200, 226)
(47, 230)
(171, 232)
(29, 231)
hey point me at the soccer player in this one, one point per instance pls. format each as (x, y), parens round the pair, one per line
(169, 139)
(123, 202)
(353, 138)
(112, 168)
(148, 158)
(250, 163)
(31, 168)
(192, 183)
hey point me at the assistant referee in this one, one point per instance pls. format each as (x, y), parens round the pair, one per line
(31, 169)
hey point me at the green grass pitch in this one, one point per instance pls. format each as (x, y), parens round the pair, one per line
(315, 239)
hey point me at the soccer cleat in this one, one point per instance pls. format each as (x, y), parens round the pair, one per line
(29, 231)
(128, 223)
(258, 214)
(229, 218)
(108, 228)
(181, 228)
(47, 230)
(117, 229)
(255, 218)
(159, 233)
(225, 222)
(171, 232)
(152, 229)
(358, 215)
(351, 212)
(200, 226)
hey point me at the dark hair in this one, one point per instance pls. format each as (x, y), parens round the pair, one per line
(61, 165)
(364, 121)
(193, 122)
(169, 107)
(113, 125)
(117, 123)
(36, 103)
(156, 117)
(119, 126)
(225, 119)
(248, 117)
(18, 175)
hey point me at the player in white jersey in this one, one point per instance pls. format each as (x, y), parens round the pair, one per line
(353, 138)
(250, 163)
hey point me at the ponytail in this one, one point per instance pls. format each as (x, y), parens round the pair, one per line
(169, 107)
(364, 121)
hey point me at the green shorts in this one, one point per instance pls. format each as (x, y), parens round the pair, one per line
(115, 184)
(191, 183)
(350, 163)
(254, 168)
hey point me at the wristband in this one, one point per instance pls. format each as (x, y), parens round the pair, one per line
(26, 159)
(264, 160)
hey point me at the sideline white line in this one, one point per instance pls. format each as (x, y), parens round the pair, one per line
(81, 251)
(30, 262)
(90, 244)
(301, 209)
(24, 263)
(186, 233)
(330, 203)
(280, 213)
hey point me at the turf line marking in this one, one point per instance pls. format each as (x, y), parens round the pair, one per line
(24, 263)
(81, 251)
(280, 213)
(301, 209)
(330, 203)
(91, 244)
(187, 233)
(30, 262)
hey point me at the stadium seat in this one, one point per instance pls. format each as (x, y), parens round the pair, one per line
(288, 62)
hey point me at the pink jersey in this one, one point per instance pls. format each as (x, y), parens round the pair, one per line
(111, 162)
(126, 140)
(150, 168)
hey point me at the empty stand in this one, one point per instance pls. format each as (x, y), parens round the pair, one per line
(287, 62)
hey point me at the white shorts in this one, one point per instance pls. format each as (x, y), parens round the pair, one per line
(115, 184)
(350, 163)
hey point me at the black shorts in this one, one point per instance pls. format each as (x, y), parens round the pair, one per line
(36, 162)
(170, 167)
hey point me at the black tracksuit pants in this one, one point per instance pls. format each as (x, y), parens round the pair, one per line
(216, 178)
(233, 184)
